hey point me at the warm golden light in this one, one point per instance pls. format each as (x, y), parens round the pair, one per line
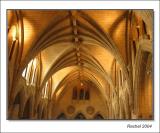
(14, 33)
(23, 73)
(28, 32)
(30, 63)
(35, 62)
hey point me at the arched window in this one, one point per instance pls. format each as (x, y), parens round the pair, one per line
(81, 94)
(74, 94)
(98, 117)
(32, 70)
(120, 78)
(26, 113)
(144, 28)
(62, 116)
(80, 116)
(134, 47)
(87, 94)
(138, 32)
(47, 89)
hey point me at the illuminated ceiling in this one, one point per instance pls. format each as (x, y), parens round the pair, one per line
(82, 41)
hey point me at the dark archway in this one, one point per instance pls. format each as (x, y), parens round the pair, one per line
(39, 111)
(43, 114)
(80, 116)
(26, 112)
(98, 117)
(17, 98)
(62, 116)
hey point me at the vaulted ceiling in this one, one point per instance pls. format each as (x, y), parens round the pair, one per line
(51, 51)
(81, 43)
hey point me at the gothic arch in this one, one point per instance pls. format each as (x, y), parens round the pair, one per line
(61, 116)
(79, 116)
(98, 116)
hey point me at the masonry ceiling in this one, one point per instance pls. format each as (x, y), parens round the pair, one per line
(52, 51)
(75, 39)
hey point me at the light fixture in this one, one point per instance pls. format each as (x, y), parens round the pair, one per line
(14, 33)
(76, 39)
(14, 38)
(81, 84)
(137, 26)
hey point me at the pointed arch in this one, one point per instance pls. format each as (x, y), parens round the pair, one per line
(61, 116)
(98, 116)
(27, 109)
(80, 116)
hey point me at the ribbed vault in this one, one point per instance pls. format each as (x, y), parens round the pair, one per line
(79, 30)
(58, 48)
